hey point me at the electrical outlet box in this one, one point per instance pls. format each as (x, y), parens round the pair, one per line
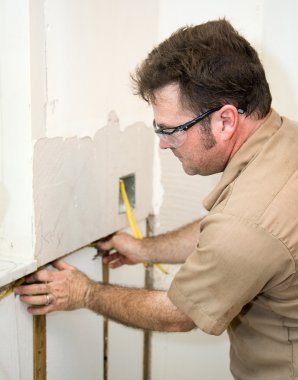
(130, 188)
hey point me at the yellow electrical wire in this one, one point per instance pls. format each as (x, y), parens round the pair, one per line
(132, 222)
(10, 290)
(130, 216)
(16, 283)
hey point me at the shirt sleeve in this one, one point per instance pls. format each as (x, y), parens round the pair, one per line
(234, 261)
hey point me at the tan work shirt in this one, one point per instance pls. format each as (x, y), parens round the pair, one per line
(243, 274)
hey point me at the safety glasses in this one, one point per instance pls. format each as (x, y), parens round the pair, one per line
(175, 137)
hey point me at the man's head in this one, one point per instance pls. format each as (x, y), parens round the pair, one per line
(206, 67)
(213, 66)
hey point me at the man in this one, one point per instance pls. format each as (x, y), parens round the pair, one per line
(211, 105)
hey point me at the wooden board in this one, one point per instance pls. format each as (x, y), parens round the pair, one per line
(39, 347)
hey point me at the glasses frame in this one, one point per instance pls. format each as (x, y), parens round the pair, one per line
(189, 124)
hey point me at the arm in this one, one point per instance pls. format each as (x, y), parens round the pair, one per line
(70, 289)
(172, 247)
(145, 309)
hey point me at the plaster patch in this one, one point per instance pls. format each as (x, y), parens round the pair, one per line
(76, 186)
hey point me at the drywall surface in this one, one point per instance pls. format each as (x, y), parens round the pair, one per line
(247, 18)
(183, 194)
(83, 71)
(75, 339)
(91, 48)
(16, 201)
(83, 75)
(64, 67)
(279, 54)
(16, 332)
(76, 186)
(125, 352)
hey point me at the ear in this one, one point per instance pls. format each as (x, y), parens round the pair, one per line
(227, 122)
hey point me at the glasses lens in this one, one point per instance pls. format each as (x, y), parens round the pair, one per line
(175, 140)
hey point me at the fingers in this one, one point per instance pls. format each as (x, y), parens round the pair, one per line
(112, 241)
(32, 289)
(40, 276)
(105, 245)
(40, 310)
(64, 289)
(116, 264)
(114, 261)
(38, 297)
(48, 276)
(40, 300)
(61, 265)
(110, 258)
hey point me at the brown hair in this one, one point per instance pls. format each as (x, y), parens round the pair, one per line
(213, 66)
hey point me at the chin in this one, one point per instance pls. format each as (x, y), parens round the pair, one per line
(190, 171)
(199, 171)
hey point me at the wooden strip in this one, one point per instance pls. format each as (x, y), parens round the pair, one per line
(105, 280)
(39, 347)
(148, 285)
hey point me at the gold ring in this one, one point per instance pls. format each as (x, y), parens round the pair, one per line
(48, 300)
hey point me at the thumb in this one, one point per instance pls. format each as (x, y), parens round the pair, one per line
(105, 245)
(61, 265)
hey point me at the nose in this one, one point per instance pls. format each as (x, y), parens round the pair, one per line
(163, 144)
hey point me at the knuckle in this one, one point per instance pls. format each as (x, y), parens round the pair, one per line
(39, 274)
(26, 289)
(117, 238)
(103, 244)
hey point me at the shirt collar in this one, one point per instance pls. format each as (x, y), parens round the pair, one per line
(243, 156)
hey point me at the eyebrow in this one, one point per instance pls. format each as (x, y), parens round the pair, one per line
(163, 126)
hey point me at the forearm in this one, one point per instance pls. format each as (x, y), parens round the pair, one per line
(141, 308)
(172, 247)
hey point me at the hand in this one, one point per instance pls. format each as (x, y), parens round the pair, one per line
(128, 250)
(47, 291)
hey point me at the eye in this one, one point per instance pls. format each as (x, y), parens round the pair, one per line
(166, 131)
(163, 130)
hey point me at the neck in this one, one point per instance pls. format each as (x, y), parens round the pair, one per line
(246, 128)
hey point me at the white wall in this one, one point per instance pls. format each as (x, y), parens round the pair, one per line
(15, 131)
(279, 54)
(100, 43)
(16, 333)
